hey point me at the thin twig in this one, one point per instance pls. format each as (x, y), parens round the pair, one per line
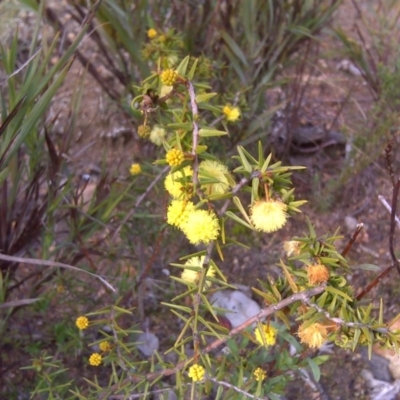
(389, 208)
(341, 322)
(235, 388)
(374, 283)
(388, 158)
(236, 189)
(395, 196)
(352, 239)
(47, 263)
(195, 141)
(393, 220)
(137, 203)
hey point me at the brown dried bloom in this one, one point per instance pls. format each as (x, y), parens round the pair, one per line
(313, 335)
(317, 273)
(292, 247)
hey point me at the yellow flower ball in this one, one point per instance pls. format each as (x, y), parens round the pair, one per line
(232, 114)
(317, 274)
(175, 157)
(178, 212)
(144, 131)
(95, 359)
(178, 184)
(201, 227)
(313, 335)
(168, 77)
(157, 135)
(135, 169)
(265, 335)
(82, 323)
(105, 346)
(268, 216)
(215, 170)
(260, 374)
(151, 33)
(196, 372)
(191, 276)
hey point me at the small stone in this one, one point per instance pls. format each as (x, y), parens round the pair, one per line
(148, 343)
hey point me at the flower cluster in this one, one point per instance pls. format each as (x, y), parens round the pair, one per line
(268, 216)
(144, 131)
(313, 335)
(95, 359)
(168, 77)
(201, 226)
(105, 346)
(221, 179)
(232, 114)
(175, 157)
(265, 335)
(317, 274)
(179, 211)
(192, 276)
(152, 33)
(260, 374)
(196, 372)
(135, 169)
(82, 323)
(176, 183)
(158, 135)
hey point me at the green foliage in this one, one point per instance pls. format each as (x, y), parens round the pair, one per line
(241, 47)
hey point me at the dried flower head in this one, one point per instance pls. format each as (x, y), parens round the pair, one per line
(260, 374)
(151, 33)
(317, 273)
(177, 183)
(265, 334)
(232, 114)
(95, 359)
(201, 227)
(82, 323)
(292, 247)
(105, 346)
(179, 211)
(216, 171)
(313, 335)
(135, 169)
(175, 157)
(144, 131)
(157, 135)
(268, 216)
(192, 276)
(168, 77)
(196, 372)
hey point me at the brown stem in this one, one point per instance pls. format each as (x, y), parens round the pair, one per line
(352, 239)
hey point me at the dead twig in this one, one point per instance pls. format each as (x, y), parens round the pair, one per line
(353, 238)
(48, 263)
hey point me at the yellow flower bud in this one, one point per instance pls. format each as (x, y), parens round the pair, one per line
(168, 77)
